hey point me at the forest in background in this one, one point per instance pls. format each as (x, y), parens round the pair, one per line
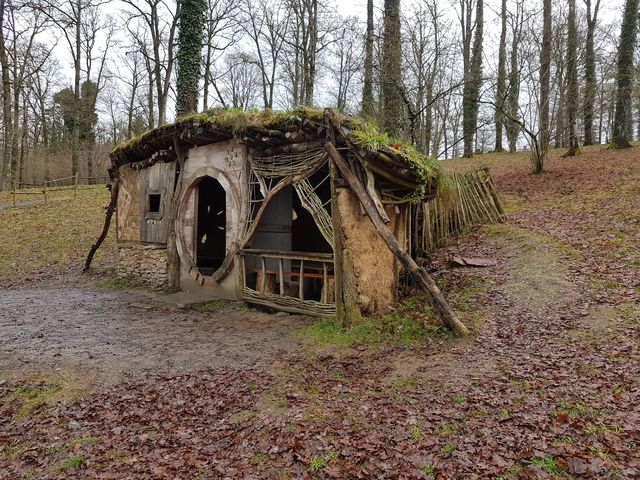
(455, 77)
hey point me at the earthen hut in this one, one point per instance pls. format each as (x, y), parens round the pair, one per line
(270, 208)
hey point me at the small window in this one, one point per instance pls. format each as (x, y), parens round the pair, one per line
(154, 203)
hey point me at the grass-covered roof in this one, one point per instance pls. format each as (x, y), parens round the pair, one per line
(269, 129)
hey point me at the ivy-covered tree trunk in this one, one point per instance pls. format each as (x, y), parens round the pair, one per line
(191, 23)
(391, 75)
(367, 88)
(625, 74)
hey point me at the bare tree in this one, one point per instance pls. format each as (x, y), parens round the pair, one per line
(572, 80)
(539, 156)
(265, 25)
(590, 71)
(472, 71)
(502, 76)
(160, 23)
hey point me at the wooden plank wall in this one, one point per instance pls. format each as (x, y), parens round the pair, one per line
(157, 179)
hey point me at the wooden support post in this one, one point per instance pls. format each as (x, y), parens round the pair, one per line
(325, 286)
(281, 276)
(301, 281)
(435, 297)
(263, 273)
(243, 274)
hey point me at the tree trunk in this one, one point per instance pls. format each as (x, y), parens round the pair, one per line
(590, 73)
(501, 81)
(367, 88)
(472, 85)
(572, 80)
(625, 74)
(7, 120)
(513, 95)
(545, 74)
(391, 75)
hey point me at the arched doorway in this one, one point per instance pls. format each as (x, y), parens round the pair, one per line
(211, 226)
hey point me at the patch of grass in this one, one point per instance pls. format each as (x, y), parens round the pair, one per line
(428, 469)
(39, 392)
(458, 399)
(563, 440)
(403, 384)
(447, 449)
(74, 461)
(406, 325)
(54, 235)
(416, 433)
(34, 397)
(448, 430)
(548, 464)
(11, 451)
(317, 463)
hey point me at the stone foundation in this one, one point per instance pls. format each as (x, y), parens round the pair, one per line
(146, 264)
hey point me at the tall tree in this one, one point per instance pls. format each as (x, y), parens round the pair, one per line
(625, 74)
(472, 84)
(572, 80)
(191, 23)
(367, 88)
(157, 42)
(502, 77)
(545, 76)
(391, 72)
(590, 87)
(266, 26)
(7, 119)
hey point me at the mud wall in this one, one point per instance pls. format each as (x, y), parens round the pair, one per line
(146, 264)
(375, 267)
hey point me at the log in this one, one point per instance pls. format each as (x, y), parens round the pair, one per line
(107, 223)
(434, 295)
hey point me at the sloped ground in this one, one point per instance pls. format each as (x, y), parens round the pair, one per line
(547, 388)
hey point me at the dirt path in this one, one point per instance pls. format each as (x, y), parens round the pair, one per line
(99, 332)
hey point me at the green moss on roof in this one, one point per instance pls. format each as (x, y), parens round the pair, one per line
(362, 132)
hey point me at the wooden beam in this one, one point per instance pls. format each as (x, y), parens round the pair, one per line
(435, 296)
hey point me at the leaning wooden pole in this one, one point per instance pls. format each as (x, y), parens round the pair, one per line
(435, 296)
(107, 223)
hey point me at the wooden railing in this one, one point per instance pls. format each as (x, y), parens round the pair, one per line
(268, 279)
(54, 185)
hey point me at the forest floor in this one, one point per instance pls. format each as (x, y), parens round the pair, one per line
(547, 387)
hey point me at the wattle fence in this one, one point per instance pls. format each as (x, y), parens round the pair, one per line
(471, 201)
